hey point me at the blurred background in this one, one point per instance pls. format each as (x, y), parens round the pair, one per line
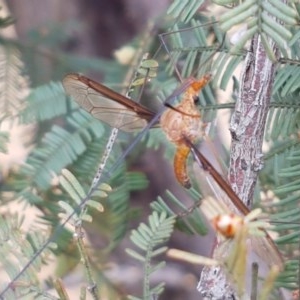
(44, 131)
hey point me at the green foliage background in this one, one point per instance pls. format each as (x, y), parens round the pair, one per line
(69, 138)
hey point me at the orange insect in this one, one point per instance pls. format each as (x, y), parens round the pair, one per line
(228, 224)
(184, 122)
(180, 122)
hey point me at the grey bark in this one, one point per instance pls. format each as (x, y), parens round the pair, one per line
(246, 159)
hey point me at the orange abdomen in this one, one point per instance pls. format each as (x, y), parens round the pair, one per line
(180, 162)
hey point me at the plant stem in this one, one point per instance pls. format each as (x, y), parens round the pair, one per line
(249, 119)
(247, 130)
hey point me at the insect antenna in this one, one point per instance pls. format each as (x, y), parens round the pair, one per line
(207, 60)
(194, 44)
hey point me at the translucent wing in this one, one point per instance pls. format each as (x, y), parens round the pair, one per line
(264, 247)
(105, 104)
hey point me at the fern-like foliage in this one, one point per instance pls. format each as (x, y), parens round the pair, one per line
(188, 219)
(69, 138)
(53, 104)
(60, 148)
(184, 10)
(272, 19)
(17, 245)
(149, 240)
(75, 190)
(12, 83)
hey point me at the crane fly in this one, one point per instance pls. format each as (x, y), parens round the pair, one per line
(180, 122)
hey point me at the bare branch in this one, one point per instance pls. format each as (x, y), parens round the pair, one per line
(247, 129)
(248, 120)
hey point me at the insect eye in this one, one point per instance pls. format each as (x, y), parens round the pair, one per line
(196, 99)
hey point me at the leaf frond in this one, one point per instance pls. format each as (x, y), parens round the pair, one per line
(12, 83)
(61, 147)
(45, 103)
(18, 248)
(272, 19)
(185, 10)
(188, 219)
(148, 239)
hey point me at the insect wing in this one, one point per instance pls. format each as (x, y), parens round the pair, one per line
(106, 105)
(264, 247)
